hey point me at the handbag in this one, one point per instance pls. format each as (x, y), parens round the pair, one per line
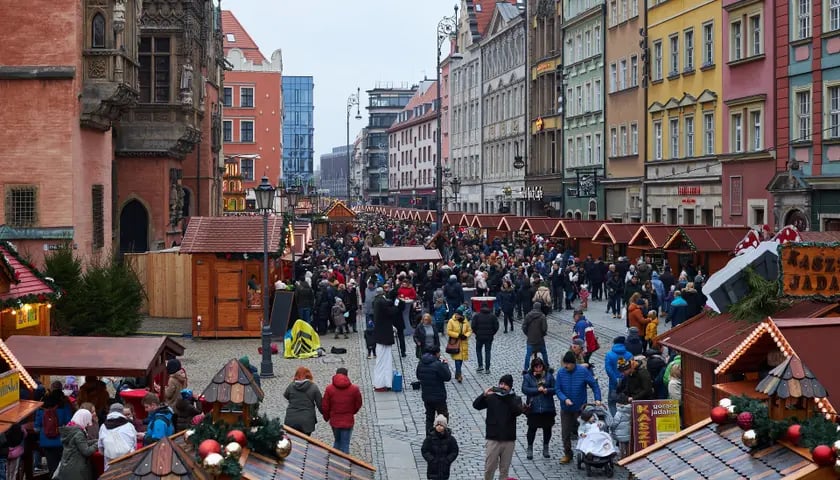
(453, 345)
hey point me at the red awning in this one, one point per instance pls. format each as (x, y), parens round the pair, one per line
(615, 233)
(705, 239)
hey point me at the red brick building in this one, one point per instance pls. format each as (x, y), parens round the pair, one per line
(63, 87)
(252, 124)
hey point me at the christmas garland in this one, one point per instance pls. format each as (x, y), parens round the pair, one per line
(17, 302)
(818, 434)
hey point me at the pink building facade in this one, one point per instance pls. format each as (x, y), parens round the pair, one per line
(748, 162)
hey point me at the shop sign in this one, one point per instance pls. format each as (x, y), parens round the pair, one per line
(688, 190)
(810, 270)
(27, 317)
(689, 201)
(532, 193)
(545, 67)
(654, 421)
(9, 389)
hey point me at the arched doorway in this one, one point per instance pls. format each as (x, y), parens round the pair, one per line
(798, 219)
(134, 228)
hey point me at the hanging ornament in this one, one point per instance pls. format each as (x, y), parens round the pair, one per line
(283, 447)
(213, 463)
(189, 433)
(725, 402)
(209, 446)
(749, 438)
(745, 420)
(720, 415)
(823, 455)
(237, 436)
(233, 449)
(794, 434)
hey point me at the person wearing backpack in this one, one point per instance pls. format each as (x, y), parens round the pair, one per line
(117, 436)
(159, 422)
(54, 414)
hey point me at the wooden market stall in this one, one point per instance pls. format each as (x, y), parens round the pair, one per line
(487, 224)
(227, 272)
(648, 242)
(452, 219)
(708, 339)
(542, 226)
(405, 254)
(701, 245)
(15, 408)
(614, 237)
(166, 276)
(577, 235)
(26, 296)
(340, 218)
(510, 225)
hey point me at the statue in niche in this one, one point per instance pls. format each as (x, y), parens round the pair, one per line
(186, 84)
(176, 202)
(119, 15)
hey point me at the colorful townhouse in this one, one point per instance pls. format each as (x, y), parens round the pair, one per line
(626, 85)
(685, 108)
(749, 103)
(583, 109)
(806, 185)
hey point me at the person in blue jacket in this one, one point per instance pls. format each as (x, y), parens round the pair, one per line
(570, 384)
(611, 368)
(678, 311)
(538, 387)
(49, 441)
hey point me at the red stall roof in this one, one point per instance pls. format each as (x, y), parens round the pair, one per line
(702, 238)
(615, 233)
(452, 218)
(653, 236)
(230, 235)
(511, 223)
(466, 220)
(23, 279)
(486, 220)
(539, 225)
(570, 228)
(820, 237)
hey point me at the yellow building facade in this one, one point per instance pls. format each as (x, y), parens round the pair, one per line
(684, 114)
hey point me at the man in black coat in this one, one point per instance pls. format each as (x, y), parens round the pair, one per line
(433, 373)
(503, 406)
(383, 334)
(484, 327)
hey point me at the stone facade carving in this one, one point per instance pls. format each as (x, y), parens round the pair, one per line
(186, 94)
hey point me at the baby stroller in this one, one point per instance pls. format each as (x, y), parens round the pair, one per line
(596, 450)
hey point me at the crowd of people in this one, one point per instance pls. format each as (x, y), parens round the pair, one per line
(529, 278)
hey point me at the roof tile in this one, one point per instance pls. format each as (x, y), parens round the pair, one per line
(241, 39)
(231, 235)
(28, 283)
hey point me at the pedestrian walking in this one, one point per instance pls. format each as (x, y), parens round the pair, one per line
(433, 373)
(440, 449)
(459, 331)
(538, 388)
(425, 336)
(341, 402)
(503, 406)
(304, 398)
(535, 327)
(611, 359)
(339, 317)
(383, 333)
(484, 326)
(507, 303)
(571, 383)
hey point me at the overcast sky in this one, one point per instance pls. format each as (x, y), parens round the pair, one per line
(345, 45)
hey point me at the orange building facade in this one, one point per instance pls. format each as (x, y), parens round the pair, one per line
(252, 124)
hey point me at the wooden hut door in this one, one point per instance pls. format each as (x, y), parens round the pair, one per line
(230, 297)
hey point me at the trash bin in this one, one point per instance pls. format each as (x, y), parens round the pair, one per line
(478, 302)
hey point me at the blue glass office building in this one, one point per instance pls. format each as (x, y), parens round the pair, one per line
(298, 128)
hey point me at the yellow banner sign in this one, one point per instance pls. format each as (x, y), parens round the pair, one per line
(9, 388)
(28, 317)
(810, 270)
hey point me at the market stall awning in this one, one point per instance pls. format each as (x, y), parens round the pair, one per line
(486, 220)
(452, 218)
(615, 233)
(405, 254)
(23, 279)
(539, 225)
(651, 236)
(231, 234)
(466, 220)
(510, 224)
(101, 356)
(574, 229)
(701, 238)
(705, 450)
(339, 211)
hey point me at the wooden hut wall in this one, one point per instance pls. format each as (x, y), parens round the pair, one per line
(698, 376)
(9, 327)
(222, 298)
(167, 279)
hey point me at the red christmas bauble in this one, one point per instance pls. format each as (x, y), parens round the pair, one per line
(745, 420)
(720, 415)
(823, 455)
(209, 446)
(794, 433)
(237, 436)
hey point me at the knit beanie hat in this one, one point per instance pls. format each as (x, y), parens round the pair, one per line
(507, 380)
(172, 366)
(116, 408)
(441, 420)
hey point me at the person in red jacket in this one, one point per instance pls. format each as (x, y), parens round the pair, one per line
(342, 400)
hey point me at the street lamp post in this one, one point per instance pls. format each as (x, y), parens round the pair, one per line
(456, 187)
(264, 194)
(352, 101)
(447, 27)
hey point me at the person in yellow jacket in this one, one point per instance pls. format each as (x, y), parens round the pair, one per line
(459, 329)
(651, 329)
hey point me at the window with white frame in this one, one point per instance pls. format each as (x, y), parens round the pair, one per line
(657, 60)
(578, 47)
(756, 135)
(622, 74)
(737, 139)
(597, 156)
(623, 133)
(709, 133)
(802, 100)
(227, 130)
(587, 97)
(688, 123)
(833, 101)
(246, 131)
(579, 93)
(833, 15)
(613, 142)
(708, 44)
(736, 40)
(755, 35)
(588, 154)
(570, 151)
(634, 71)
(570, 49)
(597, 96)
(625, 12)
(657, 140)
(634, 8)
(613, 77)
(688, 41)
(674, 130)
(579, 142)
(613, 12)
(587, 44)
(675, 55)
(802, 23)
(570, 102)
(246, 97)
(634, 138)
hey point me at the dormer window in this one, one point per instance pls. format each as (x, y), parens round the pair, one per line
(97, 31)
